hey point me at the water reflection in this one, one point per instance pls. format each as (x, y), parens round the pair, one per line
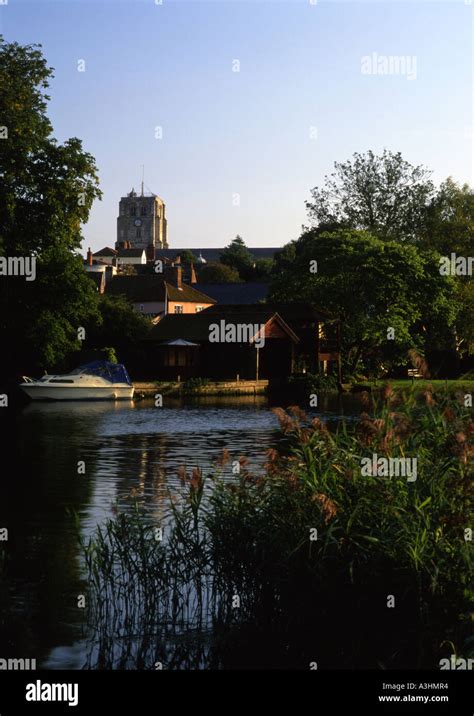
(127, 448)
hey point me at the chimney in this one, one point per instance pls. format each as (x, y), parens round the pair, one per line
(193, 274)
(174, 274)
(89, 256)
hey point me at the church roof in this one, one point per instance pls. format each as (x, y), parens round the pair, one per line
(213, 255)
(235, 293)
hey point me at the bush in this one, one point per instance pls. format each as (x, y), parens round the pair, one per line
(310, 383)
(193, 384)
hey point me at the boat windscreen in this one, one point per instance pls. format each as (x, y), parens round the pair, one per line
(113, 372)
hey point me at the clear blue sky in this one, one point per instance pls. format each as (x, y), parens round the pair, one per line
(225, 132)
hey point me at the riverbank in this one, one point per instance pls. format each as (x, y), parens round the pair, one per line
(200, 387)
(415, 385)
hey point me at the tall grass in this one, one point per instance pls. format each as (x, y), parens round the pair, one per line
(240, 578)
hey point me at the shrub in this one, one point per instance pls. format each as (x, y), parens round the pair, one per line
(193, 384)
(303, 385)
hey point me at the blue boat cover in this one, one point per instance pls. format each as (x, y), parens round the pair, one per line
(113, 372)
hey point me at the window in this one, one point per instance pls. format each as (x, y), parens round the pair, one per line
(139, 233)
(142, 307)
(133, 211)
(178, 309)
(199, 309)
(143, 211)
(176, 357)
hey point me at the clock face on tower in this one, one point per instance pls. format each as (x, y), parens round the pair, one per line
(137, 222)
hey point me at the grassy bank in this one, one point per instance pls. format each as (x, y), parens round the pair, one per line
(313, 561)
(418, 384)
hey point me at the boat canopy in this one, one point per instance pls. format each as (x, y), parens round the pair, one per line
(113, 372)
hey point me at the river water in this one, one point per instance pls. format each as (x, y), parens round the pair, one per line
(74, 462)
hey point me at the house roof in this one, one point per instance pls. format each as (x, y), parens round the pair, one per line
(130, 253)
(96, 262)
(144, 288)
(138, 289)
(235, 293)
(195, 327)
(187, 294)
(179, 342)
(290, 312)
(106, 251)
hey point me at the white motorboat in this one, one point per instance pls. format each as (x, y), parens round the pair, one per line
(99, 380)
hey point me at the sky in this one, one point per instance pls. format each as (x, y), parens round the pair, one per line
(237, 109)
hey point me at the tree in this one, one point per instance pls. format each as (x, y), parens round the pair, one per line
(263, 269)
(218, 273)
(46, 192)
(373, 286)
(384, 195)
(449, 228)
(187, 257)
(449, 224)
(237, 256)
(122, 328)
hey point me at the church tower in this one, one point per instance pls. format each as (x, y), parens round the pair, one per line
(142, 223)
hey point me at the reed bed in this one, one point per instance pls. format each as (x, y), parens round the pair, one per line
(298, 565)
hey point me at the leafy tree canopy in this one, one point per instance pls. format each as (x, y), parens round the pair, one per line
(121, 326)
(218, 273)
(372, 285)
(187, 257)
(384, 195)
(237, 256)
(263, 269)
(46, 192)
(449, 225)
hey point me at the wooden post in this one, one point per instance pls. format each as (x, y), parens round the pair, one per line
(257, 360)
